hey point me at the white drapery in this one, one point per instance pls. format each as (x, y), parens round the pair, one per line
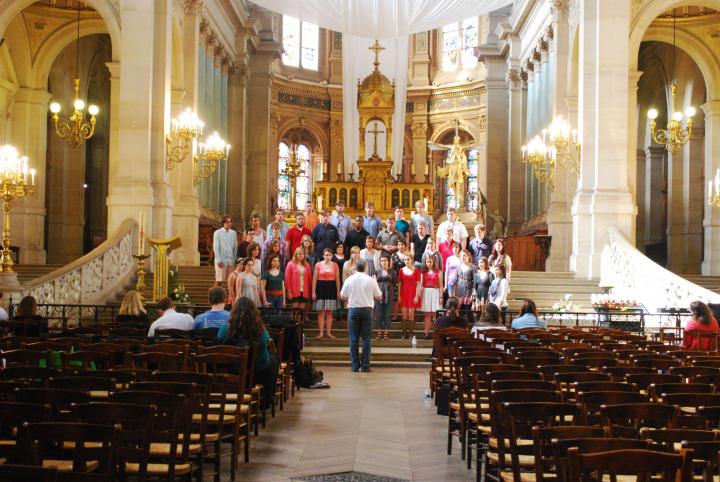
(390, 21)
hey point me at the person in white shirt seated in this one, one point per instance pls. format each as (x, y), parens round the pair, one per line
(3, 313)
(170, 319)
(528, 317)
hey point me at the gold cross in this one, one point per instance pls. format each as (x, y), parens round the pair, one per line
(377, 48)
(376, 132)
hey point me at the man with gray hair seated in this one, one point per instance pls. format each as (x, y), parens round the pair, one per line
(360, 292)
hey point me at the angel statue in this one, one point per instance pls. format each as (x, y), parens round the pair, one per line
(455, 169)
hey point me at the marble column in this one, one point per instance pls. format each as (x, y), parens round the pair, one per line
(653, 199)
(711, 221)
(694, 199)
(420, 62)
(131, 123)
(186, 212)
(641, 188)
(29, 134)
(603, 198)
(495, 145)
(419, 146)
(516, 168)
(675, 231)
(237, 158)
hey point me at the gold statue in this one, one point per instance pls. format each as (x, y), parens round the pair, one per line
(455, 168)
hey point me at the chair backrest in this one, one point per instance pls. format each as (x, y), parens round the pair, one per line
(560, 447)
(644, 380)
(32, 374)
(118, 351)
(549, 371)
(603, 386)
(232, 367)
(619, 373)
(523, 385)
(93, 443)
(668, 438)
(12, 417)
(673, 467)
(24, 356)
(593, 400)
(656, 391)
(690, 372)
(173, 361)
(627, 419)
(84, 383)
(59, 400)
(26, 473)
(661, 364)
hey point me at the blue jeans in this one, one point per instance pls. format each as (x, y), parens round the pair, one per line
(360, 325)
(275, 301)
(383, 313)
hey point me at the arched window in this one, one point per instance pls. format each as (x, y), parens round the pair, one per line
(471, 201)
(300, 42)
(459, 41)
(302, 186)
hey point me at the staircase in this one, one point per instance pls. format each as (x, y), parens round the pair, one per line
(197, 281)
(546, 289)
(711, 283)
(29, 272)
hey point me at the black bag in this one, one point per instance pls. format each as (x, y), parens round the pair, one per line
(306, 375)
(442, 398)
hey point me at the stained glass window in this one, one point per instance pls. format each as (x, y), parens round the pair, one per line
(302, 189)
(459, 41)
(301, 42)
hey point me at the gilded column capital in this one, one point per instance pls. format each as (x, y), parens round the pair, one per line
(419, 129)
(193, 7)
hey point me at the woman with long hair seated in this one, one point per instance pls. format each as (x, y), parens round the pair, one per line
(132, 310)
(702, 322)
(528, 317)
(246, 328)
(26, 321)
(452, 315)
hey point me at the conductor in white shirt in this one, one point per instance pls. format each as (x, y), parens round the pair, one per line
(170, 319)
(360, 292)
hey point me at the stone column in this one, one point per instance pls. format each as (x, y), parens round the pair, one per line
(516, 168)
(603, 198)
(558, 213)
(495, 145)
(419, 147)
(642, 221)
(653, 199)
(420, 59)
(29, 134)
(335, 58)
(237, 159)
(711, 221)
(675, 215)
(695, 198)
(186, 212)
(131, 122)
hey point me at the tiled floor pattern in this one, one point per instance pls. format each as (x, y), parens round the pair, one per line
(376, 423)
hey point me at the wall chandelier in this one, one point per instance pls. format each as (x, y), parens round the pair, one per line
(558, 146)
(210, 152)
(185, 129)
(75, 130)
(714, 191)
(674, 135)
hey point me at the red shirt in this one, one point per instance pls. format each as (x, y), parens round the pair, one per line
(692, 342)
(294, 238)
(446, 250)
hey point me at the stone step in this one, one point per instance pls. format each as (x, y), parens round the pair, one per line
(340, 354)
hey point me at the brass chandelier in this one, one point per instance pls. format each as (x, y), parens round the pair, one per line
(75, 130)
(210, 152)
(675, 135)
(537, 154)
(185, 129)
(558, 146)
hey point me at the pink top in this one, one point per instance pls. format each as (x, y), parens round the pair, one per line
(325, 272)
(294, 280)
(694, 342)
(431, 279)
(445, 250)
(232, 293)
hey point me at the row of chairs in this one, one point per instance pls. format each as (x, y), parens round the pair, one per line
(492, 375)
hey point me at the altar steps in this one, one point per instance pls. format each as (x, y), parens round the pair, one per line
(711, 283)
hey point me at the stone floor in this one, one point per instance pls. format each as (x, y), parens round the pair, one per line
(375, 423)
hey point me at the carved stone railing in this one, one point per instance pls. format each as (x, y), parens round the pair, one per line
(92, 279)
(634, 275)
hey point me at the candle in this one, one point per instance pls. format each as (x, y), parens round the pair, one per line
(339, 168)
(324, 168)
(32, 177)
(425, 203)
(426, 169)
(412, 169)
(319, 203)
(141, 237)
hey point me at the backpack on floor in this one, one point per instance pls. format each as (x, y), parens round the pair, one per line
(306, 375)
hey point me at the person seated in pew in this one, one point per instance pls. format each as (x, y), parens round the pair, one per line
(452, 316)
(26, 321)
(528, 317)
(489, 320)
(702, 321)
(132, 310)
(217, 315)
(170, 319)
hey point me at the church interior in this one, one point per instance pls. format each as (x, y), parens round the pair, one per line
(582, 135)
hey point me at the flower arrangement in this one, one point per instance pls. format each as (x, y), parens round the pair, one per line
(608, 302)
(564, 305)
(176, 289)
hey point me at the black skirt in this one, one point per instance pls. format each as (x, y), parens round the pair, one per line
(326, 290)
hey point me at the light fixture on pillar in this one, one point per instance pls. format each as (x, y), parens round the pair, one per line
(538, 155)
(75, 129)
(16, 181)
(675, 135)
(293, 169)
(714, 191)
(186, 128)
(210, 152)
(563, 144)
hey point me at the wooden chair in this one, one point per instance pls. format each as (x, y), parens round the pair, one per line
(137, 425)
(644, 380)
(549, 371)
(710, 417)
(626, 420)
(707, 453)
(94, 449)
(128, 332)
(689, 403)
(60, 401)
(660, 364)
(175, 361)
(604, 386)
(673, 467)
(542, 445)
(669, 439)
(26, 473)
(593, 401)
(620, 373)
(99, 388)
(690, 372)
(12, 417)
(656, 391)
(31, 374)
(671, 335)
(586, 445)
(170, 433)
(23, 356)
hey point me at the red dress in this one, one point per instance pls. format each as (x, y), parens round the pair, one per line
(692, 342)
(408, 288)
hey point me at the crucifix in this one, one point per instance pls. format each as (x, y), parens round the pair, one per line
(377, 48)
(375, 133)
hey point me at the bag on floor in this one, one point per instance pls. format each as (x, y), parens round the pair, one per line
(306, 375)
(442, 397)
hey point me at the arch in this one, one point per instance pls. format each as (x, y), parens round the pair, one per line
(55, 44)
(641, 29)
(9, 9)
(450, 126)
(315, 133)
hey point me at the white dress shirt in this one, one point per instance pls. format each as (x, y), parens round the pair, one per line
(171, 319)
(360, 290)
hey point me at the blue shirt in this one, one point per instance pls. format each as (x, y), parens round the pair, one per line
(283, 229)
(402, 226)
(372, 225)
(528, 320)
(225, 246)
(342, 223)
(211, 319)
(479, 248)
